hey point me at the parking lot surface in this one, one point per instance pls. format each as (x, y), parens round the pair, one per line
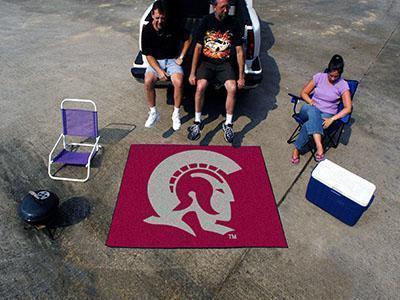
(51, 50)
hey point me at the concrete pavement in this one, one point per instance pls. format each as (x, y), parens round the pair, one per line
(51, 50)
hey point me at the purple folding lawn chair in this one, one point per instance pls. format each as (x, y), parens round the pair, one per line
(77, 122)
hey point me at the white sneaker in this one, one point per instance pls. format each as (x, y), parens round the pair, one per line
(153, 118)
(176, 121)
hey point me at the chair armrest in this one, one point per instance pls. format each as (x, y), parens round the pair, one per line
(95, 148)
(54, 148)
(295, 99)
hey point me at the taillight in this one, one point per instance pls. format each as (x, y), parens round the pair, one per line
(250, 44)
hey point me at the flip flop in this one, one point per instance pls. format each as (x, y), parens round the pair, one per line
(295, 160)
(319, 157)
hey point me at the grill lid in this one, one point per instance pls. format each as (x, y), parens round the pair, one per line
(38, 206)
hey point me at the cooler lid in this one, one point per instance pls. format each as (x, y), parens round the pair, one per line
(343, 181)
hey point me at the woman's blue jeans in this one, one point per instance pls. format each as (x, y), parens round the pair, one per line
(313, 119)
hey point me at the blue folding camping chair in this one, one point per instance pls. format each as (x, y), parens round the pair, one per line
(333, 133)
(77, 123)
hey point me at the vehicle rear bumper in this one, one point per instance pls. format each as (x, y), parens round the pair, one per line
(253, 76)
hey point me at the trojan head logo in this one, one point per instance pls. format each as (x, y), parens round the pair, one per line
(192, 181)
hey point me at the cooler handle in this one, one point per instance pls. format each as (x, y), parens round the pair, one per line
(333, 191)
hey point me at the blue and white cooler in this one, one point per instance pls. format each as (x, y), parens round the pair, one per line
(339, 192)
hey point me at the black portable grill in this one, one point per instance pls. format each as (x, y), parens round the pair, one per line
(38, 209)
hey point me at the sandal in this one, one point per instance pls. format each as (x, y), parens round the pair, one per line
(319, 157)
(295, 160)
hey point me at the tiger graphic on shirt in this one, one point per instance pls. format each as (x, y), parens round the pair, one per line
(217, 45)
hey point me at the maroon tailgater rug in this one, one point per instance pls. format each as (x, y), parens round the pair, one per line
(178, 196)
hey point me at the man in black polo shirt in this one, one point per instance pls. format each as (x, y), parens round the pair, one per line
(218, 47)
(160, 45)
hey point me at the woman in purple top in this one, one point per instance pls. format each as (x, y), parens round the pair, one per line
(321, 110)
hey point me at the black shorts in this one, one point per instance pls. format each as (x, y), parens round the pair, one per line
(219, 72)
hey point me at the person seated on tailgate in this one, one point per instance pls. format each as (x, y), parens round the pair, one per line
(218, 46)
(160, 45)
(321, 110)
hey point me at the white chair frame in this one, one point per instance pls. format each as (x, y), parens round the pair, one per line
(94, 147)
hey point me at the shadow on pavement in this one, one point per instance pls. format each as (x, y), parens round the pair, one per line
(70, 212)
(259, 102)
(114, 132)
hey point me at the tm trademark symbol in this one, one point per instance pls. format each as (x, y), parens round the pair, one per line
(232, 236)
